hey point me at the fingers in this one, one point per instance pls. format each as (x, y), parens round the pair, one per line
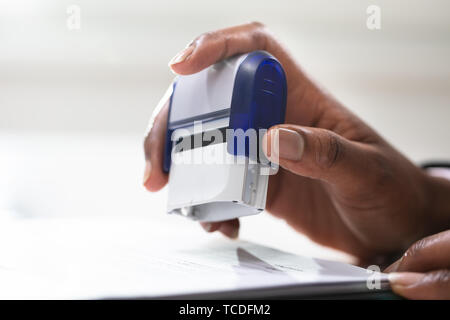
(426, 255)
(154, 177)
(319, 154)
(214, 46)
(433, 285)
(431, 253)
(229, 228)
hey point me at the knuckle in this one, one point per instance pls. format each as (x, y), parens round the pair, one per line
(257, 24)
(257, 30)
(217, 38)
(260, 39)
(260, 35)
(382, 171)
(329, 151)
(225, 44)
(207, 37)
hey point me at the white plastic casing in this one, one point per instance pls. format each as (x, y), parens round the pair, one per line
(211, 190)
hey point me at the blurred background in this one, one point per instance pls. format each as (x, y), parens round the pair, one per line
(74, 102)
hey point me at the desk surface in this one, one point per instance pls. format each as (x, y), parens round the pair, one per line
(151, 258)
(76, 176)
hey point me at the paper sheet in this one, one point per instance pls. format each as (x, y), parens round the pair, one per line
(102, 258)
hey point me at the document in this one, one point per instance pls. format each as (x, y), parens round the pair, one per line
(146, 258)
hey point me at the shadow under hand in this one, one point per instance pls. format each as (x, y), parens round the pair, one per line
(252, 268)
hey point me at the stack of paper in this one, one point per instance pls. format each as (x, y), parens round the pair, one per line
(123, 258)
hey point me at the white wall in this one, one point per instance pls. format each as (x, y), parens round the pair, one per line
(107, 77)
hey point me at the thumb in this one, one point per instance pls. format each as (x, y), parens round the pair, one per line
(320, 154)
(432, 285)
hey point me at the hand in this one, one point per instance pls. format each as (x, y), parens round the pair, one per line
(423, 272)
(340, 183)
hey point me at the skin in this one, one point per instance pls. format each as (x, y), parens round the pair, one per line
(350, 189)
(423, 272)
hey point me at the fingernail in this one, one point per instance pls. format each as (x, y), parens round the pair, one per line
(147, 171)
(229, 230)
(287, 144)
(266, 143)
(404, 279)
(182, 55)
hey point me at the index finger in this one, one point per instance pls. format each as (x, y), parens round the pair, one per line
(214, 46)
